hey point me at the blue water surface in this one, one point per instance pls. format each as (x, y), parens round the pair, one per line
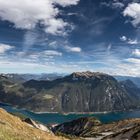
(55, 118)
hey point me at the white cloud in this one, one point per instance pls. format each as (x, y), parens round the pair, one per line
(56, 26)
(28, 14)
(136, 52)
(123, 38)
(66, 2)
(73, 49)
(4, 48)
(133, 11)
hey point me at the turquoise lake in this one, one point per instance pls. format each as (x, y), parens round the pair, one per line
(53, 118)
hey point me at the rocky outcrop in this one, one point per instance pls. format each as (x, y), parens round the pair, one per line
(77, 127)
(37, 125)
(93, 129)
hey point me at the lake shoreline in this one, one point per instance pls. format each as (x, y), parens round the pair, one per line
(58, 118)
(70, 113)
(82, 113)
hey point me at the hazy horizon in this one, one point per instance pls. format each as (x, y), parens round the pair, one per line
(65, 74)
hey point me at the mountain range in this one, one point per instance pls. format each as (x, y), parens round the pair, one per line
(26, 77)
(135, 80)
(77, 92)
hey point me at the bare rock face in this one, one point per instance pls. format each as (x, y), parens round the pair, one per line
(37, 125)
(93, 129)
(87, 75)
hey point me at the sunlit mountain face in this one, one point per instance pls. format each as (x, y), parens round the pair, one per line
(44, 36)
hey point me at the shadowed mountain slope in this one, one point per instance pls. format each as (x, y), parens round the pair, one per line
(92, 128)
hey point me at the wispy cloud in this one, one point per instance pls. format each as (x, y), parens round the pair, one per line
(52, 53)
(129, 40)
(30, 38)
(65, 45)
(38, 56)
(133, 42)
(113, 4)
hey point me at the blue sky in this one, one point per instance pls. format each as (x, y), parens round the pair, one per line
(45, 36)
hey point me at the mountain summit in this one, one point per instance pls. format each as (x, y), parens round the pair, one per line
(87, 75)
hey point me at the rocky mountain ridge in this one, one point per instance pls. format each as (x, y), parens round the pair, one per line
(92, 128)
(77, 92)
